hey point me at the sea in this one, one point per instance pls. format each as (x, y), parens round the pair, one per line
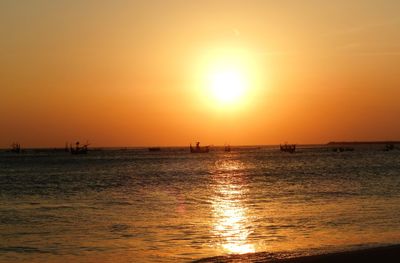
(133, 205)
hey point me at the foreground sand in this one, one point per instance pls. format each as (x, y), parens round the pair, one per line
(379, 254)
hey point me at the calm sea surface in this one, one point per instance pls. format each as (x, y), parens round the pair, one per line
(172, 206)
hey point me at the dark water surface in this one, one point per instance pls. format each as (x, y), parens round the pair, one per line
(173, 206)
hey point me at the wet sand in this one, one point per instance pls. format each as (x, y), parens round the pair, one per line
(378, 254)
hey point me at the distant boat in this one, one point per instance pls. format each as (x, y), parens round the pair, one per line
(154, 149)
(343, 149)
(227, 148)
(199, 149)
(79, 149)
(16, 147)
(290, 148)
(389, 147)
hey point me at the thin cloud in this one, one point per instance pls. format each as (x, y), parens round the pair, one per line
(363, 28)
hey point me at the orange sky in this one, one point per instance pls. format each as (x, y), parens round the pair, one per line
(133, 73)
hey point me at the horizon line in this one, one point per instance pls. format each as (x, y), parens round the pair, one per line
(222, 145)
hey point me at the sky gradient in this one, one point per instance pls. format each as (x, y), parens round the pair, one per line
(134, 73)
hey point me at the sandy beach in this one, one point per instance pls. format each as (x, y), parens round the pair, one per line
(378, 254)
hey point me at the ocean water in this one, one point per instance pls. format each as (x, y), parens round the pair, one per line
(132, 205)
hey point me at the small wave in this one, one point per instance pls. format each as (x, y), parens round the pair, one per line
(26, 250)
(55, 207)
(119, 227)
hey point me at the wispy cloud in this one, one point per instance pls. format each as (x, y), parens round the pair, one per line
(364, 27)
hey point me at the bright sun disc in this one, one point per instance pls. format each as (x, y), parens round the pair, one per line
(228, 85)
(228, 79)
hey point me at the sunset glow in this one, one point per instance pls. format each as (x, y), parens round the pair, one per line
(131, 73)
(199, 131)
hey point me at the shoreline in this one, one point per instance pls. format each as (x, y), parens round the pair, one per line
(389, 253)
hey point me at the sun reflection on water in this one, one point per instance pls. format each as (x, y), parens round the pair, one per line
(231, 221)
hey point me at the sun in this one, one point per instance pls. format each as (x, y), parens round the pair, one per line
(228, 79)
(228, 85)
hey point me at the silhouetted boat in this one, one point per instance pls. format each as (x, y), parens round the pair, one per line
(79, 149)
(15, 147)
(199, 149)
(389, 147)
(343, 149)
(154, 149)
(290, 148)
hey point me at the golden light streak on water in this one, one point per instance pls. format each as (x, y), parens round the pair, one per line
(230, 215)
